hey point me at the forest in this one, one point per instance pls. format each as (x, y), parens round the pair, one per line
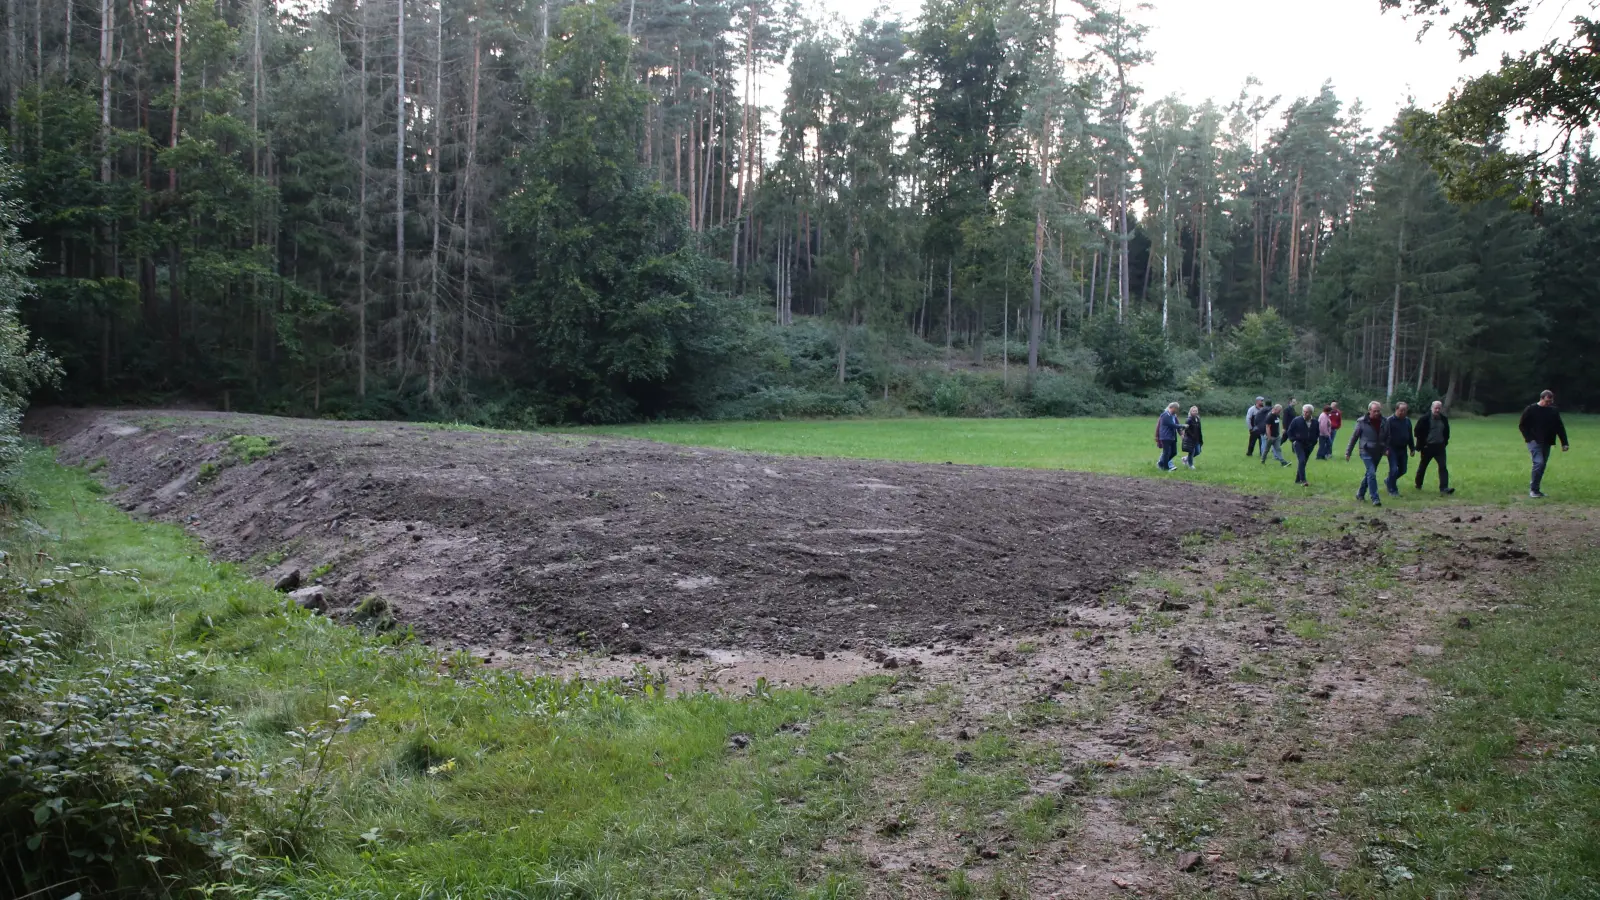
(523, 212)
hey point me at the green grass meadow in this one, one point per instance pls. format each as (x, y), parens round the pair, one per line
(1488, 461)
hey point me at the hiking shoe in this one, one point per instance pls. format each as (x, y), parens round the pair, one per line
(1284, 464)
(1448, 491)
(1535, 495)
(1377, 503)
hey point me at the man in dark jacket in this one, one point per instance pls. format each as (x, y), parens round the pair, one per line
(1402, 446)
(1302, 434)
(1371, 432)
(1432, 436)
(1541, 427)
(1255, 420)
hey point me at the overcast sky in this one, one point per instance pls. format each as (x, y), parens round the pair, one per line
(1207, 48)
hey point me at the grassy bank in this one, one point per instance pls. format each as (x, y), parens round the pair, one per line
(1496, 793)
(361, 766)
(1488, 462)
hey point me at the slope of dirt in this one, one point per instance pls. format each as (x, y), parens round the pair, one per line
(508, 540)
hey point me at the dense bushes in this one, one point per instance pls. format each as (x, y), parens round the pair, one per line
(116, 775)
(23, 365)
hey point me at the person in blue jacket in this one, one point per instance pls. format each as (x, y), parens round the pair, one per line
(1167, 428)
(1302, 435)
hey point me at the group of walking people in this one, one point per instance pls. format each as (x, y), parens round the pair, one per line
(1374, 436)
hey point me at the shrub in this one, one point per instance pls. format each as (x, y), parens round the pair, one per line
(1257, 350)
(1133, 354)
(122, 779)
(1063, 396)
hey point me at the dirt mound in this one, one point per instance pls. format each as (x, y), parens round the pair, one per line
(509, 539)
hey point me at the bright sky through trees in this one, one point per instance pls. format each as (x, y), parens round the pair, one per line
(1207, 48)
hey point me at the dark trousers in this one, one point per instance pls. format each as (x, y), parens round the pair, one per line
(1430, 453)
(1254, 437)
(1169, 449)
(1398, 462)
(1302, 452)
(1325, 447)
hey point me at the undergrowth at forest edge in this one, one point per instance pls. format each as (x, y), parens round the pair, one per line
(177, 724)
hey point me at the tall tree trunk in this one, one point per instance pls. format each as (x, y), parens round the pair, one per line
(362, 162)
(437, 164)
(466, 190)
(1394, 326)
(1036, 302)
(1422, 360)
(107, 26)
(949, 308)
(400, 186)
(744, 133)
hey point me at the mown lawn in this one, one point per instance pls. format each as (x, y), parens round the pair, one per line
(1488, 461)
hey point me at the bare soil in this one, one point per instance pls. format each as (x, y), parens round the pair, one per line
(513, 541)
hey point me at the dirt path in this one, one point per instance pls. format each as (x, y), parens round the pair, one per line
(520, 543)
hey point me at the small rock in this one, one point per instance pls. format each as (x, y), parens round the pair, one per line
(416, 537)
(410, 527)
(1254, 777)
(288, 582)
(819, 655)
(1188, 862)
(738, 741)
(1170, 605)
(1292, 756)
(891, 663)
(963, 735)
(1464, 622)
(988, 853)
(1322, 693)
(313, 598)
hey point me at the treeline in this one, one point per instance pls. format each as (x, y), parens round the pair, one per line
(531, 210)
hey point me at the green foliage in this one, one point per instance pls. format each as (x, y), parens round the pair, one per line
(117, 776)
(24, 365)
(612, 287)
(1257, 351)
(1133, 354)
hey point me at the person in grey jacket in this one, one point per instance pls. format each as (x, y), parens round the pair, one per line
(1255, 420)
(1371, 433)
